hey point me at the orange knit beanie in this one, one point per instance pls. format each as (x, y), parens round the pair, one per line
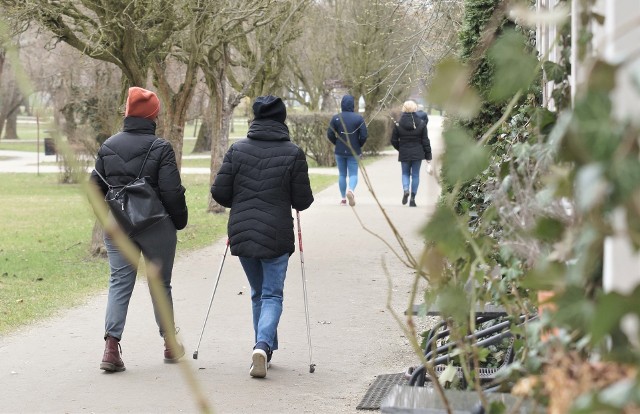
(142, 103)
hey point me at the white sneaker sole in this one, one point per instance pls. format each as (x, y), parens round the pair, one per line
(259, 366)
(351, 197)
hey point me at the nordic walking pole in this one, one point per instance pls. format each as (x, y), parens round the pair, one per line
(215, 287)
(312, 366)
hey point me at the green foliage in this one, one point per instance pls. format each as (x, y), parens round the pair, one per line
(379, 134)
(515, 68)
(309, 131)
(451, 91)
(477, 13)
(461, 151)
(444, 231)
(531, 211)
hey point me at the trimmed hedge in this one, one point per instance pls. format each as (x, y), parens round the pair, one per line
(309, 131)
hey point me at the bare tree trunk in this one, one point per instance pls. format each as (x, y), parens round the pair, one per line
(11, 127)
(203, 142)
(220, 132)
(172, 127)
(3, 120)
(2, 115)
(97, 241)
(174, 117)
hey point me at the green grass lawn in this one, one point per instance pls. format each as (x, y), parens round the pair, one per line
(46, 230)
(28, 134)
(20, 145)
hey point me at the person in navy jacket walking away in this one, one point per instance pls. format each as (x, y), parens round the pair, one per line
(261, 179)
(348, 132)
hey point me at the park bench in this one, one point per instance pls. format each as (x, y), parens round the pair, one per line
(417, 396)
(494, 330)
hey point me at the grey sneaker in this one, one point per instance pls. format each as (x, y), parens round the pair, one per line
(351, 197)
(260, 358)
(259, 364)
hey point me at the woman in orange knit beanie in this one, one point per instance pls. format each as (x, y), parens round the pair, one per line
(120, 160)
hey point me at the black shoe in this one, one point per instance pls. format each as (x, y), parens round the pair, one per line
(412, 203)
(405, 197)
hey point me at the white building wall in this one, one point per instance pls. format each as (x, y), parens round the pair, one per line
(619, 43)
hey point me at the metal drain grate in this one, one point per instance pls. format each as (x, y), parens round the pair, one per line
(379, 389)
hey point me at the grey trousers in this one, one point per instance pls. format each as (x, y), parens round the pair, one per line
(158, 246)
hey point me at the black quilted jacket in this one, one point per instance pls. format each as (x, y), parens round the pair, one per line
(411, 139)
(121, 156)
(261, 178)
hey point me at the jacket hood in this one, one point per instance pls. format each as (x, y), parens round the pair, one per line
(270, 107)
(348, 103)
(409, 121)
(268, 130)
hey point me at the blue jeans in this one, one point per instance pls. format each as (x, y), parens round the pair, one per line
(158, 245)
(411, 172)
(266, 277)
(347, 165)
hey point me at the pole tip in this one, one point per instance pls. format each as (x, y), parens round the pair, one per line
(195, 355)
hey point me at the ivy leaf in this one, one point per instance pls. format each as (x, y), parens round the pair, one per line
(553, 71)
(448, 376)
(545, 119)
(497, 407)
(545, 276)
(548, 229)
(603, 76)
(598, 17)
(483, 354)
(443, 230)
(450, 89)
(464, 158)
(610, 309)
(515, 67)
(453, 302)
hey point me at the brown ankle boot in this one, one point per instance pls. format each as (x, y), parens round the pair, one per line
(172, 355)
(111, 360)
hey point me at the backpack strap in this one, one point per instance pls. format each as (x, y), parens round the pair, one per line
(103, 179)
(139, 172)
(145, 158)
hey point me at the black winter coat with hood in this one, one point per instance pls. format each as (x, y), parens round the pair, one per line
(411, 139)
(121, 156)
(261, 178)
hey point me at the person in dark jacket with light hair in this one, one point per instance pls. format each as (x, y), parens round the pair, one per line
(119, 161)
(348, 132)
(411, 139)
(261, 179)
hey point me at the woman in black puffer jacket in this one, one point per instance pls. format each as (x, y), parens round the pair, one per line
(262, 177)
(119, 161)
(411, 139)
